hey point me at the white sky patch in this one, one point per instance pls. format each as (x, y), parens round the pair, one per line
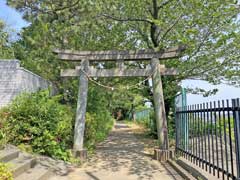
(12, 18)
(225, 91)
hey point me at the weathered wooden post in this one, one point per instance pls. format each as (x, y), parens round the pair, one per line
(78, 149)
(162, 153)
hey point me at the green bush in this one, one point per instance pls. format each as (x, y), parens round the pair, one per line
(148, 121)
(97, 128)
(40, 124)
(5, 173)
(3, 137)
(99, 121)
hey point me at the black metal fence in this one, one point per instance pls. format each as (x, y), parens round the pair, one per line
(208, 135)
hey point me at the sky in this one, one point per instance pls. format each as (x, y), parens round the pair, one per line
(14, 21)
(224, 92)
(11, 17)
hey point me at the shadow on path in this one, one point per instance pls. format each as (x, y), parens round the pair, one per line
(122, 156)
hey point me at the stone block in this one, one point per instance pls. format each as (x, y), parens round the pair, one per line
(81, 154)
(163, 155)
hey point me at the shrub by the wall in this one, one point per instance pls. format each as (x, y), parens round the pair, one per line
(3, 136)
(40, 124)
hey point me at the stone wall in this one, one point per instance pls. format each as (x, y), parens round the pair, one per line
(15, 80)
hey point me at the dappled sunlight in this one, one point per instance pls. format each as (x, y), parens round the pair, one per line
(122, 156)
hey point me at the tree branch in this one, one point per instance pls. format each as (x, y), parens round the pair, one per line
(125, 19)
(164, 3)
(155, 9)
(153, 37)
(145, 37)
(52, 11)
(67, 7)
(31, 7)
(207, 70)
(201, 44)
(153, 29)
(171, 27)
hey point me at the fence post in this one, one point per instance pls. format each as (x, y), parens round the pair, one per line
(184, 119)
(236, 117)
(176, 130)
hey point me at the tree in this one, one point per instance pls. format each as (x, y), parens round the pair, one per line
(6, 51)
(208, 28)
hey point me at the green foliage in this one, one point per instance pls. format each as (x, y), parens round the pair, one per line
(146, 117)
(200, 127)
(40, 124)
(221, 128)
(6, 51)
(149, 121)
(99, 121)
(97, 128)
(208, 28)
(171, 125)
(5, 173)
(35, 52)
(3, 129)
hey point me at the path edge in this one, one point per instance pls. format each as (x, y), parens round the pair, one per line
(186, 170)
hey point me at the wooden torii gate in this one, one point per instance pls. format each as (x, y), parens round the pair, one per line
(85, 70)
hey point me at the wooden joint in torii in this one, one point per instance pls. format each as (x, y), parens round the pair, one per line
(154, 69)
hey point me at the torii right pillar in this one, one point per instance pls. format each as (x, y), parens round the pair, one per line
(162, 153)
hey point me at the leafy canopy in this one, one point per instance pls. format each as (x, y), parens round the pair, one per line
(210, 29)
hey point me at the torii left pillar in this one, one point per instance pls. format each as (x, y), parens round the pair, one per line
(78, 149)
(162, 153)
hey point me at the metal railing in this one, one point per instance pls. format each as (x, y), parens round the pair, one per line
(208, 135)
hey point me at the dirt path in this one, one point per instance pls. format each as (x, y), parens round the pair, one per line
(122, 157)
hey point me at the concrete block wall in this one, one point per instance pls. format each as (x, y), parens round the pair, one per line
(15, 80)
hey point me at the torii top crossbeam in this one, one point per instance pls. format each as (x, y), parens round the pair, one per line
(138, 55)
